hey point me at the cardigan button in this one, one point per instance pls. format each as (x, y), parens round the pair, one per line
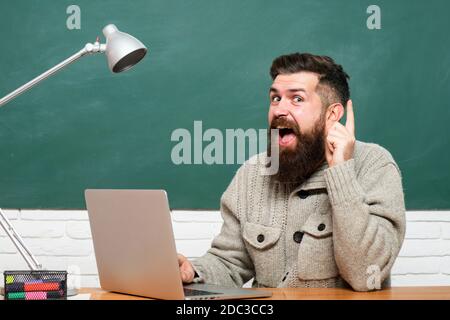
(260, 238)
(303, 194)
(321, 227)
(298, 236)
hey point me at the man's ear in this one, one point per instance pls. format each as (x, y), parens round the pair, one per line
(335, 112)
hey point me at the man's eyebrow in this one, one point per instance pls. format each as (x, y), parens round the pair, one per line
(297, 89)
(272, 89)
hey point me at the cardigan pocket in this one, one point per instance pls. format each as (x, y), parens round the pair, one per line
(261, 245)
(260, 236)
(316, 253)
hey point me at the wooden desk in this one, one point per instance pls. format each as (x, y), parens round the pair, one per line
(395, 293)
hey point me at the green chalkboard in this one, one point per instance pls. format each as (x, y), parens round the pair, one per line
(208, 61)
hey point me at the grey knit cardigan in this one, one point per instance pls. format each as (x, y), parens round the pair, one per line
(343, 227)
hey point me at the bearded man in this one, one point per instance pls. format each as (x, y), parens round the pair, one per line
(333, 215)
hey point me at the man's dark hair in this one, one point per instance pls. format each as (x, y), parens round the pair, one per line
(333, 85)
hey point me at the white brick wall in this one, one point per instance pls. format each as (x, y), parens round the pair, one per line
(60, 239)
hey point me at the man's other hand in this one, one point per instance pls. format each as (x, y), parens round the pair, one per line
(186, 269)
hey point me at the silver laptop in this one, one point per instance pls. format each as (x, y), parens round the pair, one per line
(135, 247)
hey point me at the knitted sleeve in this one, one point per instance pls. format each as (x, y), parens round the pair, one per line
(368, 218)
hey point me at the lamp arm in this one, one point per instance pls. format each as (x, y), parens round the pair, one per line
(89, 48)
(18, 242)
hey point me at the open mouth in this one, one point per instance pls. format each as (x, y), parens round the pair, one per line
(285, 136)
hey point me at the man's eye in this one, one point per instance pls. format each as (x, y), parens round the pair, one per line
(275, 99)
(298, 99)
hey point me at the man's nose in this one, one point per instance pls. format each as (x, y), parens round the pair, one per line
(282, 109)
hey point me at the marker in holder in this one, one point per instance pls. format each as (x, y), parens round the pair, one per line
(35, 285)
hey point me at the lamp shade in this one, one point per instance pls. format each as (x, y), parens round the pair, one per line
(122, 50)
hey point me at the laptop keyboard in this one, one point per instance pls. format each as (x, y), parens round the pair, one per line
(193, 292)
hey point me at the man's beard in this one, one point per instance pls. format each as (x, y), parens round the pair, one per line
(299, 164)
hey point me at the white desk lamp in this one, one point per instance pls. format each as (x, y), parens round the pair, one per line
(122, 51)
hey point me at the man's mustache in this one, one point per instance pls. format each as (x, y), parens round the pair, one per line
(282, 122)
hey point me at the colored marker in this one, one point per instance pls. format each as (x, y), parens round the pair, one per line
(9, 279)
(36, 295)
(14, 287)
(16, 295)
(50, 286)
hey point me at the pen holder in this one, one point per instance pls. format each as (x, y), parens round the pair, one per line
(35, 285)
